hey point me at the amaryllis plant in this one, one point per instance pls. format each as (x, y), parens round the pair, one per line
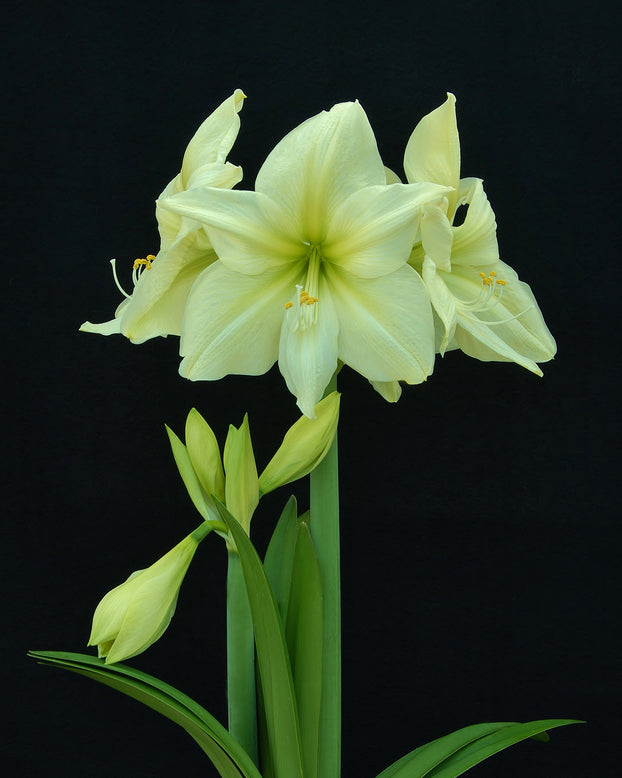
(330, 262)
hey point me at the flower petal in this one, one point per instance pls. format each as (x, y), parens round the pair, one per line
(157, 305)
(319, 164)
(372, 232)
(308, 357)
(231, 322)
(442, 300)
(390, 390)
(249, 232)
(512, 330)
(475, 240)
(386, 331)
(433, 150)
(437, 235)
(214, 138)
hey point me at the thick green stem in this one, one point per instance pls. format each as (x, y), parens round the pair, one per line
(240, 661)
(325, 534)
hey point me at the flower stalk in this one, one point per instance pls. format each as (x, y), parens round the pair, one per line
(324, 498)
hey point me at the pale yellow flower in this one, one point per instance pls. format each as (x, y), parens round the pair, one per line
(483, 307)
(162, 282)
(312, 266)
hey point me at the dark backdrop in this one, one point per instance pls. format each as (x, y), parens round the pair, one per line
(480, 541)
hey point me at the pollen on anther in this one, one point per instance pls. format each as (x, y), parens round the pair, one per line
(288, 306)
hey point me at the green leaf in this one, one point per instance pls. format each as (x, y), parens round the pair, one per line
(226, 754)
(279, 558)
(304, 640)
(272, 658)
(454, 754)
(481, 749)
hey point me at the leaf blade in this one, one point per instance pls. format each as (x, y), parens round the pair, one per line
(227, 755)
(272, 658)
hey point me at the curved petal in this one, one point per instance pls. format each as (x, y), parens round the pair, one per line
(308, 357)
(475, 240)
(437, 235)
(157, 304)
(442, 300)
(433, 150)
(231, 322)
(215, 137)
(512, 329)
(372, 233)
(391, 391)
(391, 176)
(319, 164)
(386, 331)
(112, 327)
(249, 232)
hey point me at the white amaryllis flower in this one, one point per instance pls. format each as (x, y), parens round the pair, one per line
(483, 307)
(312, 266)
(162, 282)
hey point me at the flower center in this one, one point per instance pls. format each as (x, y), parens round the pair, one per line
(139, 266)
(302, 314)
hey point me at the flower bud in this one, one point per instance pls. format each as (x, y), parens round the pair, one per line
(135, 614)
(241, 484)
(205, 455)
(304, 446)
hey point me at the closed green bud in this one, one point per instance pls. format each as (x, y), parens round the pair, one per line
(205, 455)
(135, 614)
(304, 446)
(241, 483)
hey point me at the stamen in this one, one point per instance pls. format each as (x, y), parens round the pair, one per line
(305, 311)
(486, 300)
(140, 265)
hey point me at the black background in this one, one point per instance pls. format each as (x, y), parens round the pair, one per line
(480, 541)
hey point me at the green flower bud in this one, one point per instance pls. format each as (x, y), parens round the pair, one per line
(304, 446)
(241, 483)
(135, 614)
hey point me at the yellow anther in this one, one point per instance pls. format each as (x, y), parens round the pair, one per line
(493, 274)
(500, 282)
(288, 306)
(146, 263)
(482, 275)
(310, 300)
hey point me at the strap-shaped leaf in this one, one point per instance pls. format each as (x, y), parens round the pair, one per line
(272, 658)
(454, 754)
(304, 641)
(279, 558)
(227, 755)
(481, 749)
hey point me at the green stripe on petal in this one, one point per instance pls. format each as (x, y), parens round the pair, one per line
(371, 234)
(319, 164)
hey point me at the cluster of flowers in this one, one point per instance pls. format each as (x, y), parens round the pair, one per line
(331, 259)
